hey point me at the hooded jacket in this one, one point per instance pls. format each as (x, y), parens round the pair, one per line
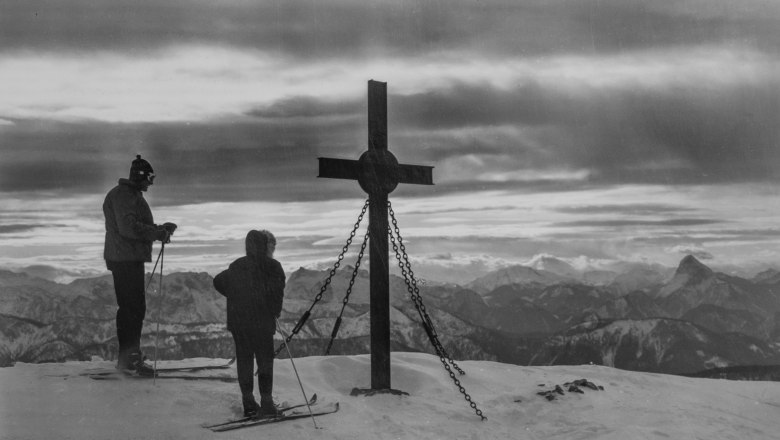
(130, 228)
(254, 288)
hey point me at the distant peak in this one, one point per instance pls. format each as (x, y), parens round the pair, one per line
(691, 266)
(769, 275)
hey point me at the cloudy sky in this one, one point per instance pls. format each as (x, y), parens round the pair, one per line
(592, 130)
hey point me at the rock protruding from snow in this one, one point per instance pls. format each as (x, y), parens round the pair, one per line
(575, 386)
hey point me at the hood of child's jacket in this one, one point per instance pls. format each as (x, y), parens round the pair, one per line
(256, 245)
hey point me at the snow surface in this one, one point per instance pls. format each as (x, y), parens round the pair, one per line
(53, 401)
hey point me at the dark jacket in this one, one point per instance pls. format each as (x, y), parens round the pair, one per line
(254, 287)
(130, 228)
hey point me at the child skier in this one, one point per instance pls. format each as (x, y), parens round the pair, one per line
(254, 287)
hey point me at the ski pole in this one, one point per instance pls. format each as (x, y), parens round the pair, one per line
(289, 353)
(151, 278)
(157, 332)
(153, 269)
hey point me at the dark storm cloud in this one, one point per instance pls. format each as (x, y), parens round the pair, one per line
(463, 209)
(308, 107)
(349, 28)
(619, 25)
(633, 223)
(728, 134)
(711, 237)
(13, 229)
(627, 209)
(679, 135)
(619, 136)
(468, 105)
(217, 161)
(695, 135)
(752, 233)
(294, 28)
(41, 155)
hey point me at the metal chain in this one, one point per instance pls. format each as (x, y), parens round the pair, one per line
(326, 283)
(345, 301)
(411, 284)
(427, 323)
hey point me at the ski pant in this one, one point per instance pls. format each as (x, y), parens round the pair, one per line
(131, 299)
(253, 345)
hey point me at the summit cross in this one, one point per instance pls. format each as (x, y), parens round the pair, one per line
(378, 173)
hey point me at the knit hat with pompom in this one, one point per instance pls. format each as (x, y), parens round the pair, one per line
(141, 170)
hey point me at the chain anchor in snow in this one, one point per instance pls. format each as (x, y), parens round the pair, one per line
(411, 284)
(324, 287)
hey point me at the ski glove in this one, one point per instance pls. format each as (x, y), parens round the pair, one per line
(163, 235)
(170, 227)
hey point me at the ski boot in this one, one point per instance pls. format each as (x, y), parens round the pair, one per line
(251, 407)
(135, 364)
(268, 408)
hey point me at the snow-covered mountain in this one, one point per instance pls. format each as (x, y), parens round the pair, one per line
(706, 296)
(520, 321)
(690, 273)
(659, 344)
(769, 276)
(639, 277)
(44, 321)
(546, 270)
(554, 265)
(515, 275)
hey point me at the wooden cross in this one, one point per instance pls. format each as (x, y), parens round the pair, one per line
(378, 173)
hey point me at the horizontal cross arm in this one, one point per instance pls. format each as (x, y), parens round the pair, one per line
(419, 174)
(339, 168)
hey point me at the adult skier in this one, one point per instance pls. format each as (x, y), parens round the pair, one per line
(254, 287)
(130, 232)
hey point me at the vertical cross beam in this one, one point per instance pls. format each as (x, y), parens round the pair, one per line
(378, 173)
(378, 246)
(377, 115)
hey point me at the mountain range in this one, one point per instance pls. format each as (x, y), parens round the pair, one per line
(645, 317)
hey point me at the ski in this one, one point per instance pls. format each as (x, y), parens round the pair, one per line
(161, 372)
(312, 401)
(122, 376)
(196, 368)
(297, 413)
